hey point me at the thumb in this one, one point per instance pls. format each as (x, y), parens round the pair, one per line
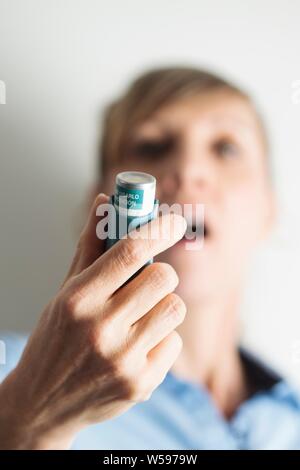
(89, 246)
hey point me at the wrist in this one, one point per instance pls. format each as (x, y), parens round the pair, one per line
(18, 428)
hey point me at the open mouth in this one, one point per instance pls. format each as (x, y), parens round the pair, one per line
(196, 232)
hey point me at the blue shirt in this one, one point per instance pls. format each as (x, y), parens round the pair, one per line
(182, 415)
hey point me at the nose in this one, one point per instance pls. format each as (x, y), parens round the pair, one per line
(190, 172)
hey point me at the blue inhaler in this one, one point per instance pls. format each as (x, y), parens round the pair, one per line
(134, 204)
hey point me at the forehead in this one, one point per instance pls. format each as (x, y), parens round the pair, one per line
(210, 110)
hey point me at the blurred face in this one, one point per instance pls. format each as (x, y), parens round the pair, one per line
(207, 149)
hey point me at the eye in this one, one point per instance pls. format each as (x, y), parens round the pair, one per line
(152, 148)
(225, 148)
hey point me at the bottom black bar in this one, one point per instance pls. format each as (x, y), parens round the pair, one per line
(136, 458)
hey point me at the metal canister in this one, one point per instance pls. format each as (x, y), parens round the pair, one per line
(134, 203)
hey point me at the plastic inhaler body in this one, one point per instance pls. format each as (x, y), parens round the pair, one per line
(134, 204)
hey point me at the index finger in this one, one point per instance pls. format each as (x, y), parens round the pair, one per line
(125, 258)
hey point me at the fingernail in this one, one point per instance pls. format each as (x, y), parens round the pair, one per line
(101, 197)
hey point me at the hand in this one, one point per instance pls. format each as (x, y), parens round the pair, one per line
(100, 346)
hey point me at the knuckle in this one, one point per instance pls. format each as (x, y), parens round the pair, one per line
(176, 308)
(135, 390)
(131, 252)
(124, 378)
(120, 368)
(102, 339)
(73, 302)
(129, 381)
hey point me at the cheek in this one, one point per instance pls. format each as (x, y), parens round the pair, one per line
(244, 214)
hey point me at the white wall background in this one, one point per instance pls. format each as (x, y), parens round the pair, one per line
(62, 60)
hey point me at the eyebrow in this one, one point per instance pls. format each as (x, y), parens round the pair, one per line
(245, 127)
(237, 121)
(230, 121)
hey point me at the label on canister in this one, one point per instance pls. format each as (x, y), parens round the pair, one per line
(135, 193)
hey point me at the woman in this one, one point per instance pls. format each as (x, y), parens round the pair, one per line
(160, 354)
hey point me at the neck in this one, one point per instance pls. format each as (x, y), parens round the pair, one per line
(209, 355)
